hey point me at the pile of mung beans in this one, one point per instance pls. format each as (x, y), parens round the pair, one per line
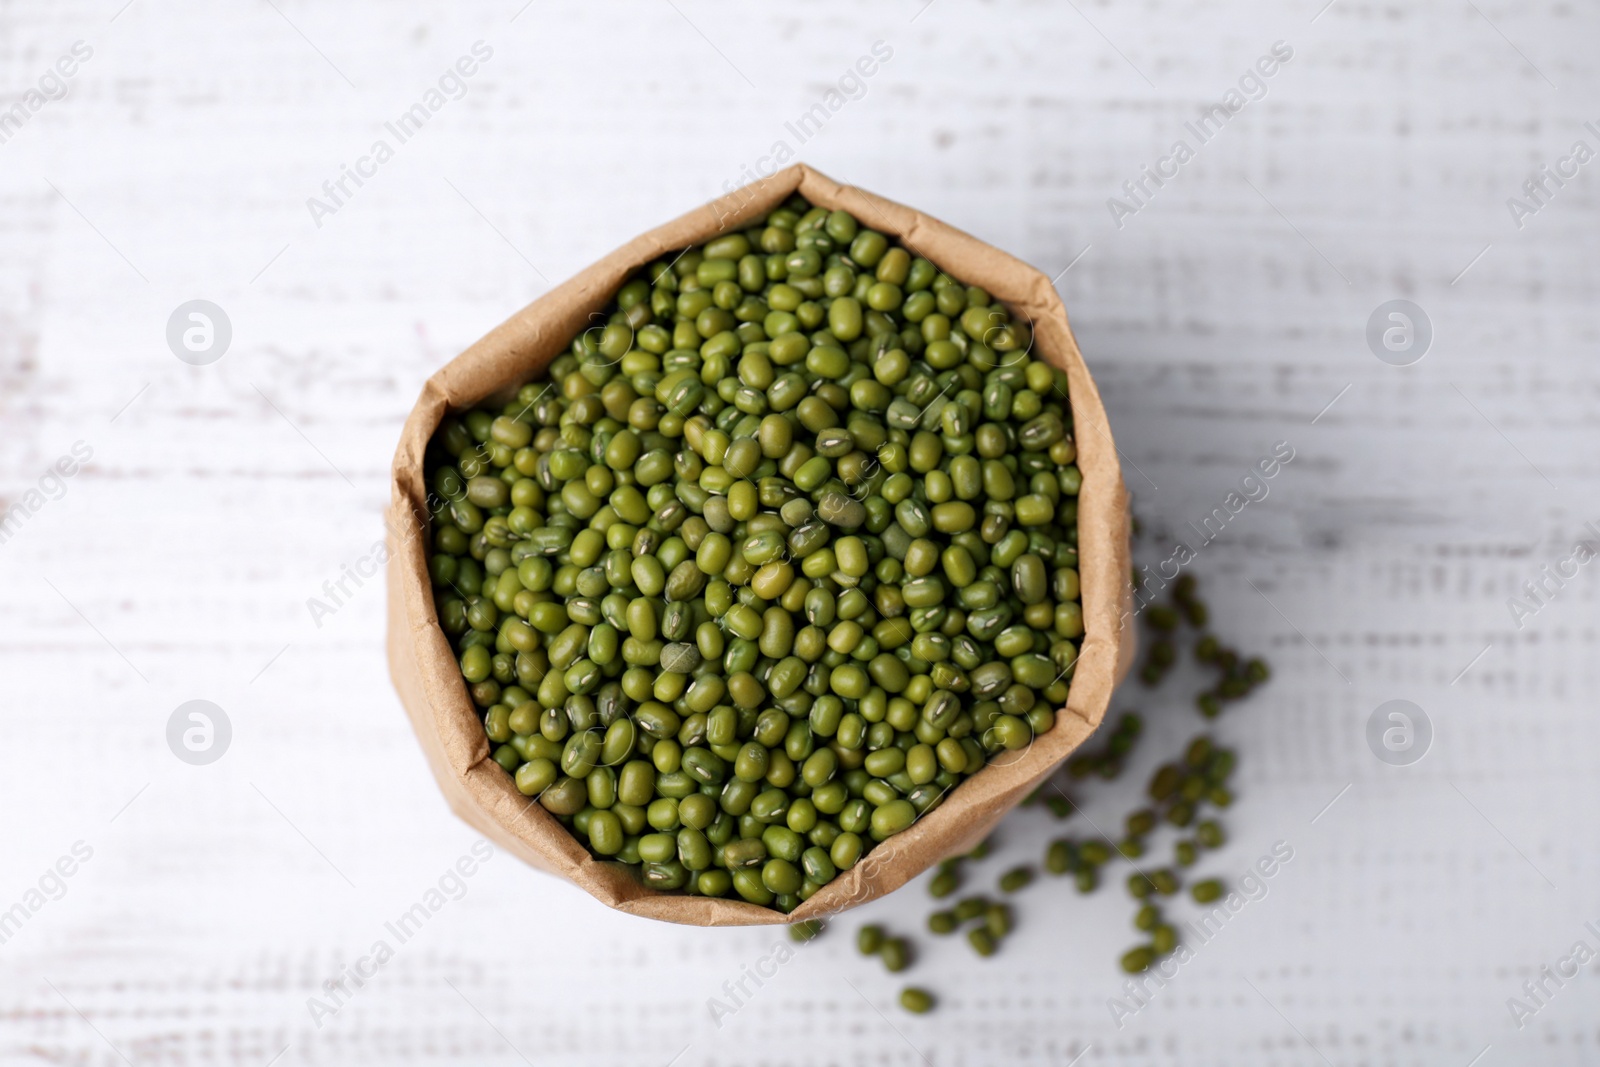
(781, 551)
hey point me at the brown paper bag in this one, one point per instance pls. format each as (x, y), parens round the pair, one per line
(429, 681)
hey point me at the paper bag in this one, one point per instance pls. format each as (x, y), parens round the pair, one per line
(429, 682)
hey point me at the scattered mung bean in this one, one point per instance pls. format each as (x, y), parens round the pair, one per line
(896, 954)
(1138, 959)
(1016, 879)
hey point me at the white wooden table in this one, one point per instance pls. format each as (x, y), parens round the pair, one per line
(1226, 313)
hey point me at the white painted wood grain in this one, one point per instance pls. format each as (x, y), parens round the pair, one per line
(1218, 320)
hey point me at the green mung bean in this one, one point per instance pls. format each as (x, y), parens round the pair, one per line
(970, 908)
(1138, 959)
(1016, 879)
(1161, 617)
(1060, 857)
(1094, 853)
(1140, 822)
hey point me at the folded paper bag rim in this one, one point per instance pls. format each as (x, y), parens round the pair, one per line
(428, 680)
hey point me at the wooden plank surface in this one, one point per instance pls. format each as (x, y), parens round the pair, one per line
(1226, 314)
